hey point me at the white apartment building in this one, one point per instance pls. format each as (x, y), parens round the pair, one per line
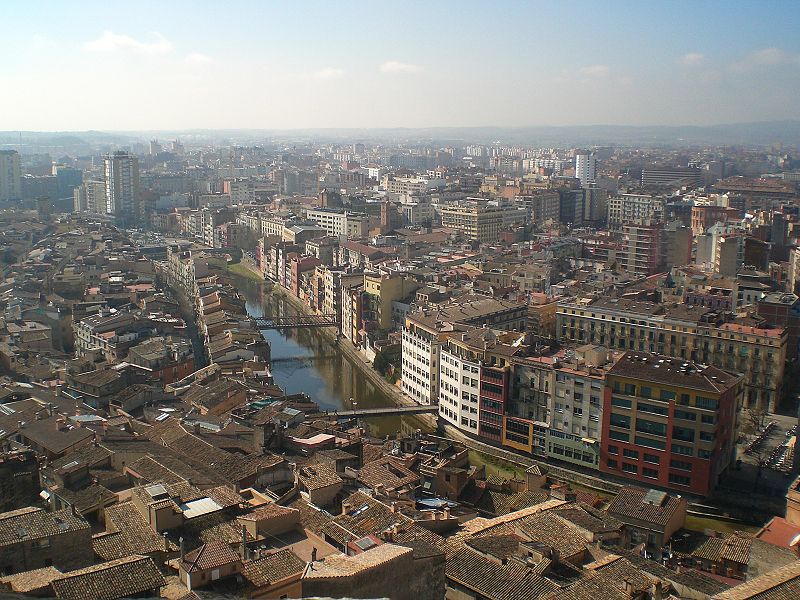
(410, 185)
(340, 222)
(585, 167)
(459, 391)
(635, 209)
(420, 372)
(122, 185)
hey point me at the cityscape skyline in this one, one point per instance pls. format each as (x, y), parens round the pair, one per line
(442, 65)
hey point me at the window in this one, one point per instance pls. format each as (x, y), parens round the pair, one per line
(648, 443)
(707, 419)
(630, 454)
(619, 436)
(651, 427)
(623, 421)
(652, 458)
(685, 450)
(647, 392)
(685, 415)
(706, 454)
(578, 412)
(621, 402)
(613, 450)
(707, 403)
(706, 436)
(612, 464)
(685, 399)
(683, 465)
(629, 468)
(652, 408)
(651, 473)
(630, 389)
(667, 395)
(683, 434)
(679, 479)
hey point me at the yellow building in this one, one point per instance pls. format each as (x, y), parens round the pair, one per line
(380, 291)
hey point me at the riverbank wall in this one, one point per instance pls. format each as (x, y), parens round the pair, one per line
(346, 347)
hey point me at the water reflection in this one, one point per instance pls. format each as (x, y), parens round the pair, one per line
(305, 360)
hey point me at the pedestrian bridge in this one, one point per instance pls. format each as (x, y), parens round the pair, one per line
(387, 411)
(295, 322)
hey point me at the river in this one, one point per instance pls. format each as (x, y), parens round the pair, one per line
(305, 360)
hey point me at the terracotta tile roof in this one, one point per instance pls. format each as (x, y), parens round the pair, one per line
(34, 523)
(622, 569)
(209, 556)
(341, 565)
(311, 517)
(318, 476)
(632, 503)
(273, 568)
(387, 472)
(501, 503)
(734, 548)
(46, 434)
(511, 581)
(30, 581)
(126, 533)
(501, 546)
(546, 528)
(782, 583)
(600, 585)
(268, 511)
(589, 518)
(120, 578)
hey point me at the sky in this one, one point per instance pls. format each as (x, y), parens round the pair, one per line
(174, 64)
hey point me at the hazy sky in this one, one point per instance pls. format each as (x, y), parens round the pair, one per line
(262, 64)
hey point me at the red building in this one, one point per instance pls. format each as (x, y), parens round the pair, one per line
(494, 388)
(668, 423)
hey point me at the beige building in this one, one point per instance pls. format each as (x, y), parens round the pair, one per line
(480, 223)
(681, 331)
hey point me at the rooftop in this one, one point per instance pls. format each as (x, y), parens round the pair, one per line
(669, 371)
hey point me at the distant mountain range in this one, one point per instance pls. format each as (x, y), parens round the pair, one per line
(763, 133)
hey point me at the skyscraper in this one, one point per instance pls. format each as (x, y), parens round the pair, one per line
(10, 176)
(585, 165)
(122, 186)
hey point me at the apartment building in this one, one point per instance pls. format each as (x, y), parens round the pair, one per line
(426, 329)
(482, 223)
(542, 207)
(683, 331)
(638, 209)
(381, 290)
(340, 222)
(669, 422)
(641, 249)
(575, 408)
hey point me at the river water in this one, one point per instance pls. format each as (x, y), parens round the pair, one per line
(304, 360)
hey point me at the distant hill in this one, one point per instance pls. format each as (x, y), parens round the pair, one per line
(749, 134)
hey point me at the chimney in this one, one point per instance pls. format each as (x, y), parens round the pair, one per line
(314, 554)
(244, 543)
(627, 588)
(657, 591)
(346, 507)
(21, 424)
(50, 404)
(183, 548)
